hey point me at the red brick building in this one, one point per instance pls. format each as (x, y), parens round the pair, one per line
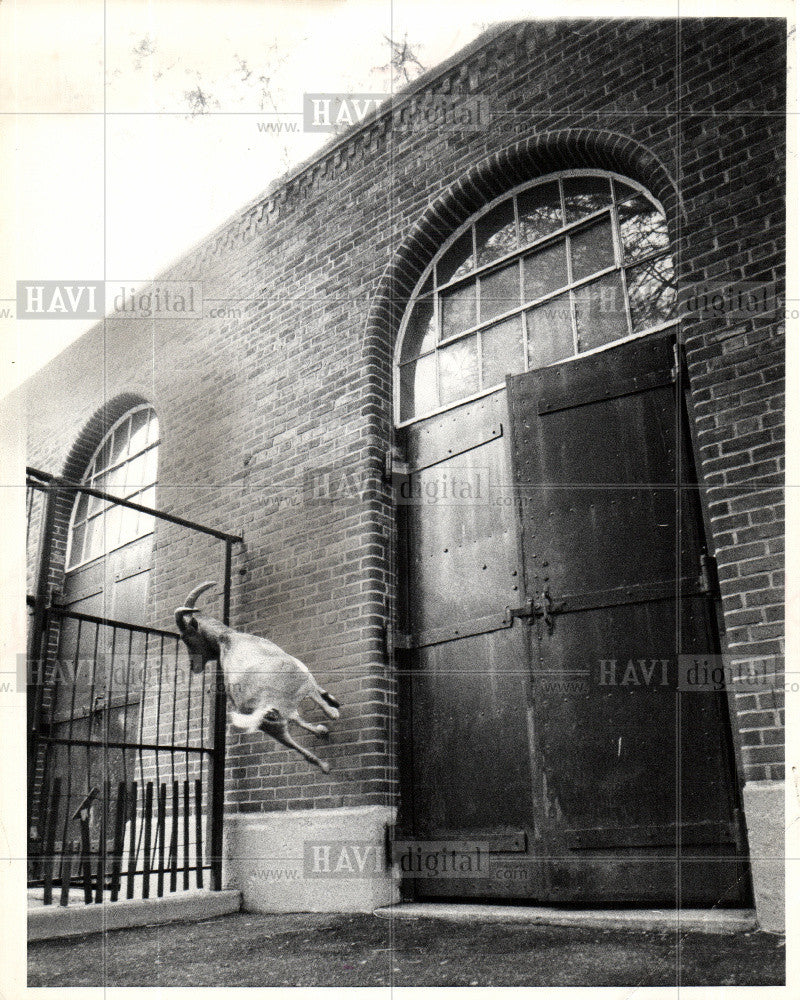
(365, 313)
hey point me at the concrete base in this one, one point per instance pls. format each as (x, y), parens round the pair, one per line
(321, 860)
(764, 810)
(703, 921)
(48, 922)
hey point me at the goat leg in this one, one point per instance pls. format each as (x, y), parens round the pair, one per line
(317, 729)
(279, 730)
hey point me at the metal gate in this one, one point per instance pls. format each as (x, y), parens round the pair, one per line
(126, 746)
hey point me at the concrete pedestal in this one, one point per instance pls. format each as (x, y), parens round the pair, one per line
(764, 810)
(320, 860)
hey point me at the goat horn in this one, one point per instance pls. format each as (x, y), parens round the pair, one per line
(190, 600)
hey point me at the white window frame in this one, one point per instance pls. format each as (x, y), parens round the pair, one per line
(556, 234)
(89, 478)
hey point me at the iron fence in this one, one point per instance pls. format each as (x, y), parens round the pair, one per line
(126, 743)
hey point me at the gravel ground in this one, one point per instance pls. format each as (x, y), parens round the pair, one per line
(334, 950)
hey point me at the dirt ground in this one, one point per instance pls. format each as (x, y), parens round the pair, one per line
(334, 950)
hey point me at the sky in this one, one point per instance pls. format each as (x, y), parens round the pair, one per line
(114, 173)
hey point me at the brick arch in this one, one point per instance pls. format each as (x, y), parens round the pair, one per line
(84, 446)
(95, 429)
(548, 152)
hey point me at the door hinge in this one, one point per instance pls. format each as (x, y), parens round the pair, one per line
(394, 464)
(708, 579)
(677, 361)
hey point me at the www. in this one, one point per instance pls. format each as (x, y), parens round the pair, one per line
(277, 126)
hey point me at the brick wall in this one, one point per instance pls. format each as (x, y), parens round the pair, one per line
(295, 381)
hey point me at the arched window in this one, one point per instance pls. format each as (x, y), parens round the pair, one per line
(554, 269)
(124, 465)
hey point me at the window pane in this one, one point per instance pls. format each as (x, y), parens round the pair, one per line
(496, 233)
(651, 293)
(584, 195)
(458, 260)
(539, 211)
(459, 309)
(623, 191)
(420, 335)
(458, 370)
(152, 431)
(600, 312)
(500, 292)
(546, 270)
(139, 422)
(95, 503)
(146, 522)
(113, 519)
(81, 506)
(151, 465)
(642, 227)
(135, 479)
(119, 449)
(592, 250)
(418, 387)
(549, 332)
(77, 545)
(502, 350)
(93, 544)
(104, 456)
(115, 480)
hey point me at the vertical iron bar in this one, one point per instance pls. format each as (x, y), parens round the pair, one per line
(162, 825)
(91, 704)
(198, 828)
(186, 834)
(125, 710)
(76, 667)
(86, 857)
(37, 649)
(158, 706)
(67, 855)
(218, 757)
(49, 839)
(133, 805)
(173, 844)
(101, 860)
(148, 808)
(119, 834)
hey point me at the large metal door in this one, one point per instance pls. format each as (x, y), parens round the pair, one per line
(465, 690)
(551, 554)
(633, 775)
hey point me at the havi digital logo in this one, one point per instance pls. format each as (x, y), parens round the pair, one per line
(60, 300)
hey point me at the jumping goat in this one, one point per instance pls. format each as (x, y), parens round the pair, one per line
(264, 684)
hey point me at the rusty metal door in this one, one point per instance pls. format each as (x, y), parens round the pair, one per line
(633, 778)
(465, 688)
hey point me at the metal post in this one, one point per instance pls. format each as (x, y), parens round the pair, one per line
(37, 650)
(218, 759)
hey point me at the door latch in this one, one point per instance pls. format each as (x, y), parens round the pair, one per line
(545, 607)
(548, 607)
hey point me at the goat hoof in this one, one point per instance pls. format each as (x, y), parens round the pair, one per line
(322, 731)
(324, 767)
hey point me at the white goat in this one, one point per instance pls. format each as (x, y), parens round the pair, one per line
(264, 684)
